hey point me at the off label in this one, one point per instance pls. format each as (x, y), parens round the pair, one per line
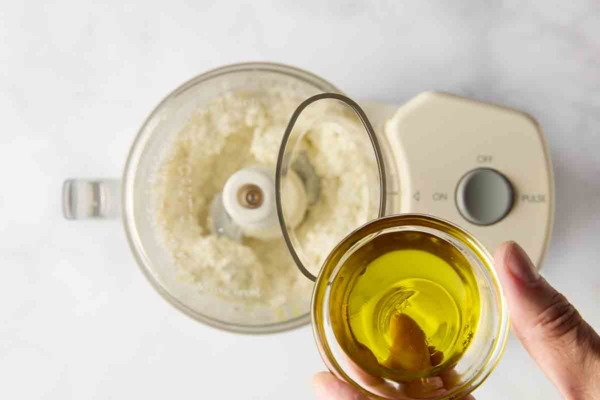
(533, 198)
(484, 159)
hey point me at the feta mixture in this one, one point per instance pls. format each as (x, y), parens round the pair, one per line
(245, 128)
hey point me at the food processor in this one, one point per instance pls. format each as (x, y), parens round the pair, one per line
(482, 167)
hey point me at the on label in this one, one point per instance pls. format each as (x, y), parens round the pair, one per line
(440, 196)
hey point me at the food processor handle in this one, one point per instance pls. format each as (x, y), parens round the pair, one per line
(91, 199)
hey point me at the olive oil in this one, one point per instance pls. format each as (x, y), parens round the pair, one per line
(405, 305)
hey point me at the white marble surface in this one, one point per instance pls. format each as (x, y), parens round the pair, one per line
(78, 320)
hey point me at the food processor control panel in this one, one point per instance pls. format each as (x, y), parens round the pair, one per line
(482, 166)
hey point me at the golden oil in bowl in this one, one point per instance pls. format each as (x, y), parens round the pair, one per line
(405, 305)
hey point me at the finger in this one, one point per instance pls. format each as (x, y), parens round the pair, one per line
(428, 388)
(563, 345)
(328, 387)
(451, 378)
(425, 388)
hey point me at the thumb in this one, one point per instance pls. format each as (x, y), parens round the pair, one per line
(328, 387)
(563, 345)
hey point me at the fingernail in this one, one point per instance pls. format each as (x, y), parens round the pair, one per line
(519, 264)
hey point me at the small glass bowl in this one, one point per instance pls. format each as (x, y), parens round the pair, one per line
(487, 345)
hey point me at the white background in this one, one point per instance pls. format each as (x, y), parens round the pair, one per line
(77, 78)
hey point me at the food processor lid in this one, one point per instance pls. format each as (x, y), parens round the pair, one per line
(289, 160)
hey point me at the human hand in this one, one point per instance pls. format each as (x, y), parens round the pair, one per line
(563, 345)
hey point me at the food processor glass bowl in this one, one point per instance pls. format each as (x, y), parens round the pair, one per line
(142, 164)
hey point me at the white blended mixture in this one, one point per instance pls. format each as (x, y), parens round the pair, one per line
(242, 129)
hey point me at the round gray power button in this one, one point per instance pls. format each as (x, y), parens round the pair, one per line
(484, 196)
